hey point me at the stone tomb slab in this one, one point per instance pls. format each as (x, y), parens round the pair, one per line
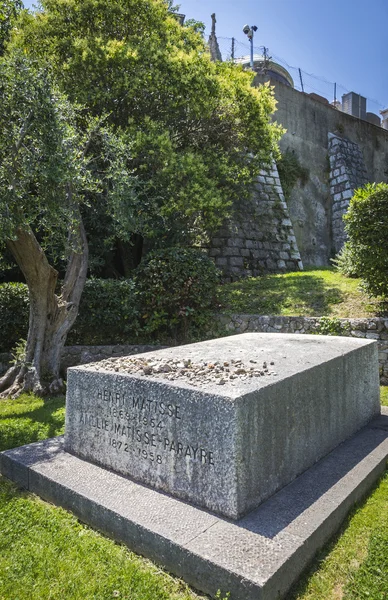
(255, 558)
(224, 441)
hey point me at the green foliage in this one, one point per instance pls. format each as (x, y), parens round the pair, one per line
(366, 224)
(90, 566)
(371, 579)
(332, 326)
(384, 396)
(290, 172)
(109, 313)
(178, 292)
(19, 353)
(198, 132)
(53, 158)
(14, 313)
(312, 292)
(344, 262)
(38, 147)
(33, 534)
(9, 10)
(219, 596)
(172, 296)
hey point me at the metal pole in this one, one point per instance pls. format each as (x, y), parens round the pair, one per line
(301, 80)
(232, 49)
(252, 51)
(335, 94)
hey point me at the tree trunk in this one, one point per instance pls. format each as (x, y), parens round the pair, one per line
(51, 315)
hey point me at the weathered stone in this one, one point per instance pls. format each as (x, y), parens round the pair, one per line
(347, 194)
(213, 252)
(372, 336)
(263, 218)
(257, 558)
(221, 261)
(347, 173)
(236, 242)
(237, 261)
(213, 445)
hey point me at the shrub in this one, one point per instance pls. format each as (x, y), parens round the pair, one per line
(172, 297)
(109, 313)
(290, 172)
(366, 224)
(178, 292)
(332, 326)
(344, 262)
(14, 312)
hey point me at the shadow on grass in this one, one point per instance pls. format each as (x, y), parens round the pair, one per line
(32, 424)
(303, 588)
(307, 294)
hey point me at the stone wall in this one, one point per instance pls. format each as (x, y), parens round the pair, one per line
(308, 123)
(259, 237)
(80, 355)
(373, 329)
(347, 173)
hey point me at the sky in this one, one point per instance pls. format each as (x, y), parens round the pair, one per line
(331, 41)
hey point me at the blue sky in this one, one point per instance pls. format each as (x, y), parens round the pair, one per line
(342, 41)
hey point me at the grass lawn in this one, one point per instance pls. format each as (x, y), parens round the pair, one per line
(46, 554)
(313, 292)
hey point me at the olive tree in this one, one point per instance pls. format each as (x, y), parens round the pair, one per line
(141, 132)
(47, 171)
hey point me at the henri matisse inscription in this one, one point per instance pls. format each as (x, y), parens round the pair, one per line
(141, 427)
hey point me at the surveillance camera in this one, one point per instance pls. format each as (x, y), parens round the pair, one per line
(254, 28)
(246, 29)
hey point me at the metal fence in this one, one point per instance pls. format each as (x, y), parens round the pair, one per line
(303, 81)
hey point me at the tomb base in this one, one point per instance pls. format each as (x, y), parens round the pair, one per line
(257, 557)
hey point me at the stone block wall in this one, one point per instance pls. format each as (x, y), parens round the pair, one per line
(81, 355)
(259, 237)
(347, 173)
(373, 329)
(308, 123)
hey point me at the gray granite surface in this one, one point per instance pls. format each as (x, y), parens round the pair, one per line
(285, 402)
(257, 557)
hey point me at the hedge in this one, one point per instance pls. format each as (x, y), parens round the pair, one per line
(108, 314)
(169, 299)
(14, 311)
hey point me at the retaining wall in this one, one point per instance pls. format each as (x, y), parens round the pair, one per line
(373, 329)
(258, 237)
(81, 355)
(347, 173)
(308, 122)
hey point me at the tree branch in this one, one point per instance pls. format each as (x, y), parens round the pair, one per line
(22, 134)
(29, 255)
(77, 266)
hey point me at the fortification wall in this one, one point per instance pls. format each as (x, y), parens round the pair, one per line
(309, 123)
(258, 237)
